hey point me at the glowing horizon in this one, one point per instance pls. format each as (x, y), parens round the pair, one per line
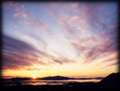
(67, 39)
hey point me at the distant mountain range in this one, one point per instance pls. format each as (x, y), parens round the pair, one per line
(66, 78)
(112, 77)
(55, 78)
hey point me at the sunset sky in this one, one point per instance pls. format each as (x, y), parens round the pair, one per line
(68, 39)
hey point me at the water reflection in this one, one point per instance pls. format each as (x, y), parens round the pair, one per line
(45, 82)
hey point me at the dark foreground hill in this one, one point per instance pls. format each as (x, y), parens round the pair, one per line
(111, 82)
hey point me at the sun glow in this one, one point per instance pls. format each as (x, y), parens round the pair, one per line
(34, 77)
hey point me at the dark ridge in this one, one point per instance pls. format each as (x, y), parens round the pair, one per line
(19, 78)
(56, 78)
(111, 81)
(66, 78)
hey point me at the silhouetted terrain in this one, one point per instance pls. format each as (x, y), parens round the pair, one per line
(56, 78)
(110, 82)
(65, 78)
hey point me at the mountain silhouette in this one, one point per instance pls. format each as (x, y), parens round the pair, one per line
(111, 81)
(56, 78)
(21, 78)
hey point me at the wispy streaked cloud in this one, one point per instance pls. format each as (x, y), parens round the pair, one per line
(44, 34)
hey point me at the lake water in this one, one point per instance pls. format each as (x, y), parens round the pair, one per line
(54, 82)
(46, 82)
